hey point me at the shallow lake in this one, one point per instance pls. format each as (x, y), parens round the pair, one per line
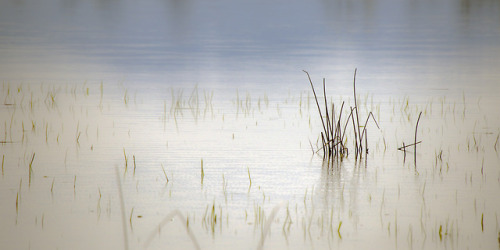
(190, 124)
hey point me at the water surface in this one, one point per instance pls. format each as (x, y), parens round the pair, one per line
(161, 89)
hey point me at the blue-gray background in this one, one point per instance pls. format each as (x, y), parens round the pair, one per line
(253, 44)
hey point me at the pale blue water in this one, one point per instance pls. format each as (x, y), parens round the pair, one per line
(396, 45)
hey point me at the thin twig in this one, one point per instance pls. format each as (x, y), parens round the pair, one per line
(408, 145)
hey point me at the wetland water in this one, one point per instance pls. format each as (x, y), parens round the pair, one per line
(204, 111)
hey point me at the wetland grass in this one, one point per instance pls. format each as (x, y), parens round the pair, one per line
(17, 204)
(165, 173)
(338, 230)
(52, 186)
(130, 219)
(30, 169)
(74, 187)
(202, 173)
(414, 144)
(249, 179)
(133, 157)
(126, 161)
(340, 121)
(211, 220)
(496, 142)
(122, 207)
(333, 137)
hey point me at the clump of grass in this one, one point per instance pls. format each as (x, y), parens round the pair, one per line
(333, 137)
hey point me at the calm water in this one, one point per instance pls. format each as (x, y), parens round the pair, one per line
(398, 45)
(163, 89)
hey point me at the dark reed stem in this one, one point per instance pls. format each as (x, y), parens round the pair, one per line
(316, 99)
(30, 168)
(404, 152)
(334, 128)
(347, 122)
(495, 146)
(312, 148)
(323, 143)
(356, 106)
(415, 144)
(326, 111)
(355, 133)
(366, 123)
(339, 128)
(366, 140)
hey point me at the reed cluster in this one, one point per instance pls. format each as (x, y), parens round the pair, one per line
(333, 138)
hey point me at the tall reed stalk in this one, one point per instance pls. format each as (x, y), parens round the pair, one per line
(333, 137)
